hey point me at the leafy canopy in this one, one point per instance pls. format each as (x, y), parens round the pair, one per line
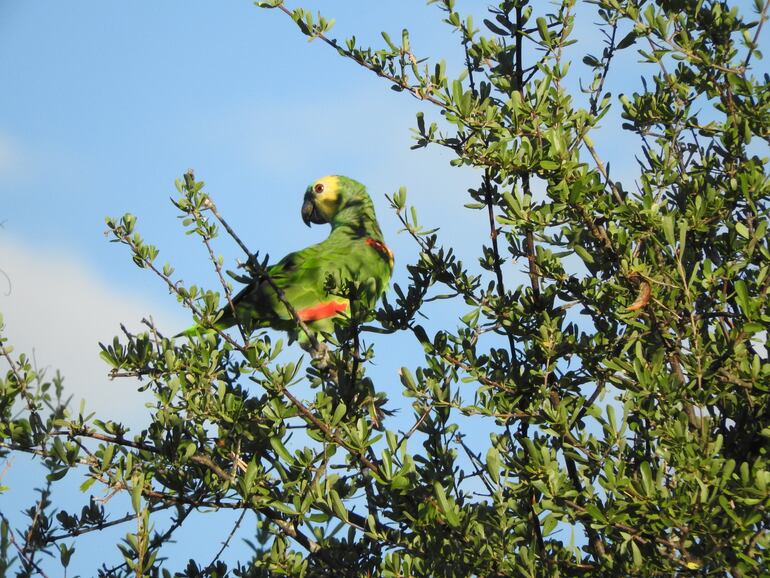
(624, 375)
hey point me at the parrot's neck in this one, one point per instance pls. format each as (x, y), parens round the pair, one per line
(358, 221)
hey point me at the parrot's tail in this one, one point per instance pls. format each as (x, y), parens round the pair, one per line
(197, 331)
(189, 332)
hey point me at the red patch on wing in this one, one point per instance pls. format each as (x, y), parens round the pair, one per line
(382, 249)
(321, 311)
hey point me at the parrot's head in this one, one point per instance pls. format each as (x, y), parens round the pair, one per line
(327, 196)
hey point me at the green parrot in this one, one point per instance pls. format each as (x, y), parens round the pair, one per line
(354, 250)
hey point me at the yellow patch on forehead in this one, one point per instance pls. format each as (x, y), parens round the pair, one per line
(330, 184)
(327, 195)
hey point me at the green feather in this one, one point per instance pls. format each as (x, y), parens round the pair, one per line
(353, 251)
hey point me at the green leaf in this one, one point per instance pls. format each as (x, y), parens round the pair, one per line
(284, 508)
(339, 413)
(87, 484)
(493, 464)
(250, 476)
(337, 506)
(627, 40)
(136, 496)
(596, 513)
(742, 296)
(668, 229)
(542, 28)
(57, 474)
(729, 509)
(753, 327)
(583, 253)
(280, 449)
(549, 525)
(637, 555)
(495, 28)
(647, 481)
(446, 508)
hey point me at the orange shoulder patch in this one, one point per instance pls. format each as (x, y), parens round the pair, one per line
(322, 310)
(382, 249)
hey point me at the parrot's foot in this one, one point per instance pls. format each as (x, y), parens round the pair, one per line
(320, 357)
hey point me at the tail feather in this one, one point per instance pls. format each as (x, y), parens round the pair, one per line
(189, 332)
(196, 331)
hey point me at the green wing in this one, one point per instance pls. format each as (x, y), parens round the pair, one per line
(301, 276)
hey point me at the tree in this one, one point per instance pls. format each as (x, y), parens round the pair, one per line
(625, 378)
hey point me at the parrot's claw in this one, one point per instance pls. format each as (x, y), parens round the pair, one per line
(320, 357)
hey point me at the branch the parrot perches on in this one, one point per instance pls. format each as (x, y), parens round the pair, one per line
(354, 252)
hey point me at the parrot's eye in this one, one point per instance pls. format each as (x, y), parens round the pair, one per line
(318, 188)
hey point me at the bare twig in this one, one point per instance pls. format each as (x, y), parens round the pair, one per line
(225, 286)
(6, 468)
(476, 463)
(496, 250)
(174, 289)
(414, 428)
(607, 57)
(20, 550)
(226, 543)
(7, 278)
(263, 273)
(378, 71)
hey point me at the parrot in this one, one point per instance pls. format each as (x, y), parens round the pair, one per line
(354, 251)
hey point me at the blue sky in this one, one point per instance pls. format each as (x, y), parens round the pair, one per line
(105, 103)
(110, 104)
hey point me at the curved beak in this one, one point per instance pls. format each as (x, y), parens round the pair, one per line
(310, 212)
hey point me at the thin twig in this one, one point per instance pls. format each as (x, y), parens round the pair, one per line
(226, 543)
(468, 66)
(330, 434)
(103, 525)
(10, 285)
(44, 495)
(607, 57)
(21, 552)
(532, 261)
(762, 20)
(159, 539)
(263, 273)
(6, 468)
(378, 71)
(529, 243)
(225, 286)
(477, 464)
(414, 428)
(22, 382)
(493, 233)
(175, 290)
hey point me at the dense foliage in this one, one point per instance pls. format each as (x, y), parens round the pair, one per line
(626, 378)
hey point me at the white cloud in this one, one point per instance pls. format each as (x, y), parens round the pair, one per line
(11, 157)
(57, 308)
